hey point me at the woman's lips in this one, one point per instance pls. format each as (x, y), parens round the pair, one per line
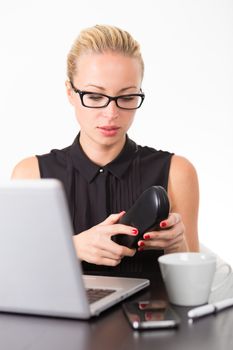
(108, 130)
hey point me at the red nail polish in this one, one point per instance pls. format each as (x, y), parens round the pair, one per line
(140, 249)
(146, 236)
(163, 224)
(148, 315)
(142, 305)
(141, 244)
(134, 231)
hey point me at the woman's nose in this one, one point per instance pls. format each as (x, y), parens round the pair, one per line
(111, 110)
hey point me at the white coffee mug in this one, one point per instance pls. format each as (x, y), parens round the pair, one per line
(188, 277)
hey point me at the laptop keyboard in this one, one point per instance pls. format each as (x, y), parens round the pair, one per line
(97, 294)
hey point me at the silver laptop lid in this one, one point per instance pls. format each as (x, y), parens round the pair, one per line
(37, 256)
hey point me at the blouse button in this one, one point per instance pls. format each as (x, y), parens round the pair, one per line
(101, 170)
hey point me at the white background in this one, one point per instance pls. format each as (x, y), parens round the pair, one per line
(188, 52)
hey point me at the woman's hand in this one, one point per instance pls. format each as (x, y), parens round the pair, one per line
(171, 237)
(95, 245)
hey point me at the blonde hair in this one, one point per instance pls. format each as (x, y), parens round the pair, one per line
(99, 39)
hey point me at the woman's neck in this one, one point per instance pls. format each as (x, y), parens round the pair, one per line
(101, 154)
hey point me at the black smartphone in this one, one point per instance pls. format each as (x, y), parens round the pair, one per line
(150, 314)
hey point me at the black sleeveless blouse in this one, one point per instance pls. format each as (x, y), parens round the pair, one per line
(94, 192)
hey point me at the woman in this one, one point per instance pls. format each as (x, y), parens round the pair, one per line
(103, 171)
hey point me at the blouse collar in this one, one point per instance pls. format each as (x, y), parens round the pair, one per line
(117, 167)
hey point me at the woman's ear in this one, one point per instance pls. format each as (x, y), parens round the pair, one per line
(69, 92)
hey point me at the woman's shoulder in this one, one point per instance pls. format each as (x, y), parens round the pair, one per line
(27, 168)
(181, 168)
(153, 156)
(149, 150)
(183, 181)
(35, 166)
(179, 165)
(56, 156)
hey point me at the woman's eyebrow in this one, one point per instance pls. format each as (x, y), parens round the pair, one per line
(127, 88)
(95, 86)
(103, 89)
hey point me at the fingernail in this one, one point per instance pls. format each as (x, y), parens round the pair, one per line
(146, 236)
(140, 249)
(148, 315)
(142, 305)
(134, 231)
(163, 224)
(141, 244)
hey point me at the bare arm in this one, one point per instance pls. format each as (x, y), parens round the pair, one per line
(183, 191)
(27, 169)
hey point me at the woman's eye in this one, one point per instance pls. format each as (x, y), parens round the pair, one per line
(128, 98)
(95, 97)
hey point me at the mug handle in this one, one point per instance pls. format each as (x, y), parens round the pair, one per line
(220, 284)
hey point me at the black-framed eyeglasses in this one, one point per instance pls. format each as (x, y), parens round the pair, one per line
(97, 100)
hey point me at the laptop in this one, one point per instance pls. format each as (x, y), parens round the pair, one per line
(40, 272)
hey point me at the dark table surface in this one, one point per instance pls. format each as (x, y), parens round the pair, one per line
(111, 330)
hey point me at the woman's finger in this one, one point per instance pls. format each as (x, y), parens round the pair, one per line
(159, 244)
(112, 219)
(172, 220)
(169, 234)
